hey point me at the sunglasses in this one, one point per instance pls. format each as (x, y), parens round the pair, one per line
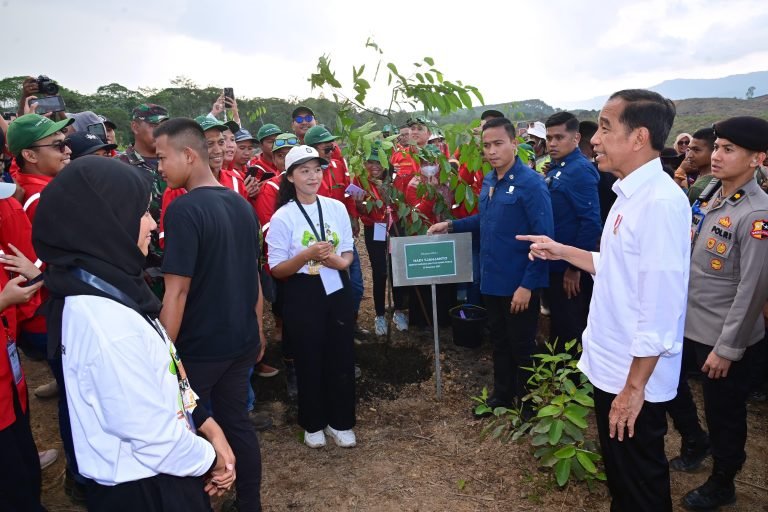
(328, 150)
(61, 145)
(279, 143)
(304, 119)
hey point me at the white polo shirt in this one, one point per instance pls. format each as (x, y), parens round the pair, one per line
(641, 284)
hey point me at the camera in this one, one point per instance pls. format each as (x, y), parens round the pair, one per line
(47, 86)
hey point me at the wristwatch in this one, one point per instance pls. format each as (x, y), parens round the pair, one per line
(450, 226)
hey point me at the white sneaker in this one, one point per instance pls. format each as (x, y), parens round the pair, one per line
(380, 326)
(47, 457)
(343, 438)
(400, 320)
(314, 439)
(49, 390)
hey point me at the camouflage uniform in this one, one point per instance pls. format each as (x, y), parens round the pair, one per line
(154, 114)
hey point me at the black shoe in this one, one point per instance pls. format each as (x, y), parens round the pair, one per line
(717, 491)
(260, 421)
(290, 381)
(75, 490)
(692, 454)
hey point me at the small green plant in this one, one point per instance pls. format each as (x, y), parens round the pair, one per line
(561, 398)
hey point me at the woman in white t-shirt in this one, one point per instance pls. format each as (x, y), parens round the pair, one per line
(132, 412)
(310, 247)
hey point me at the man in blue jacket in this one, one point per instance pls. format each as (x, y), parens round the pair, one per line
(513, 199)
(572, 181)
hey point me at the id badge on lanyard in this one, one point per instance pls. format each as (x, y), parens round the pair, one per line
(13, 355)
(188, 396)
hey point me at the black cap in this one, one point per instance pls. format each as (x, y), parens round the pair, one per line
(108, 123)
(83, 143)
(491, 114)
(745, 131)
(301, 108)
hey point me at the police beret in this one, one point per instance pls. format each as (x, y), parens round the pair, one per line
(745, 131)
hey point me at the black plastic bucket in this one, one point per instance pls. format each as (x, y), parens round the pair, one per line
(468, 331)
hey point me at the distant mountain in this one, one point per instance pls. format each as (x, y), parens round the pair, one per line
(733, 86)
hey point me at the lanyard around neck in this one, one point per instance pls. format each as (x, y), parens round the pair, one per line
(321, 236)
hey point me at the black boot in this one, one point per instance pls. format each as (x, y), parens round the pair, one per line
(717, 491)
(693, 451)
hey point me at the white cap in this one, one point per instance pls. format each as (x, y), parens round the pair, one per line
(538, 130)
(300, 154)
(7, 189)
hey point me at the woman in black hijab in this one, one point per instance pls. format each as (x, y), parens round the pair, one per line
(132, 413)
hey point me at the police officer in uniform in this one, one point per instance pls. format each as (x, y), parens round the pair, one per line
(727, 289)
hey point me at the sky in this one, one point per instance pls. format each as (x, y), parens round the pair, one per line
(558, 51)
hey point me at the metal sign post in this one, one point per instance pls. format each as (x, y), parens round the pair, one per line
(433, 260)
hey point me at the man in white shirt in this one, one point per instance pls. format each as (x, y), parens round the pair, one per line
(634, 335)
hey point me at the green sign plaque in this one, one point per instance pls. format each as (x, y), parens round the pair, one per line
(430, 259)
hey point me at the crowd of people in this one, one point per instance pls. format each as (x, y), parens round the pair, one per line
(141, 276)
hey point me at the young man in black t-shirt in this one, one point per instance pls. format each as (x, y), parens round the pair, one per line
(213, 306)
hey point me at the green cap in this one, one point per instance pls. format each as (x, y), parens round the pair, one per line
(375, 147)
(416, 120)
(285, 140)
(318, 134)
(268, 130)
(208, 123)
(150, 113)
(24, 131)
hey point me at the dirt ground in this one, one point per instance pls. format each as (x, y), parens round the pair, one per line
(414, 453)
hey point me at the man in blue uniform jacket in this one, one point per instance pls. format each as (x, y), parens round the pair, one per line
(513, 200)
(573, 186)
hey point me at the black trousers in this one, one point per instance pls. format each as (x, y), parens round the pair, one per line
(161, 493)
(568, 317)
(725, 407)
(224, 385)
(377, 253)
(20, 478)
(514, 341)
(682, 408)
(321, 329)
(637, 468)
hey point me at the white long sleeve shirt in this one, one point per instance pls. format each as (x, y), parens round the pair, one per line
(641, 285)
(124, 402)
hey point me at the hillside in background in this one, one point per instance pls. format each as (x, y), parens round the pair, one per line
(186, 99)
(732, 86)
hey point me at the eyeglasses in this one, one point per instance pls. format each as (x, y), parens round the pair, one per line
(61, 145)
(304, 119)
(279, 143)
(328, 150)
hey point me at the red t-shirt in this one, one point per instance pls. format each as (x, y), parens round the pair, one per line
(7, 382)
(265, 167)
(405, 168)
(16, 229)
(423, 204)
(475, 182)
(335, 183)
(266, 205)
(376, 214)
(33, 185)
